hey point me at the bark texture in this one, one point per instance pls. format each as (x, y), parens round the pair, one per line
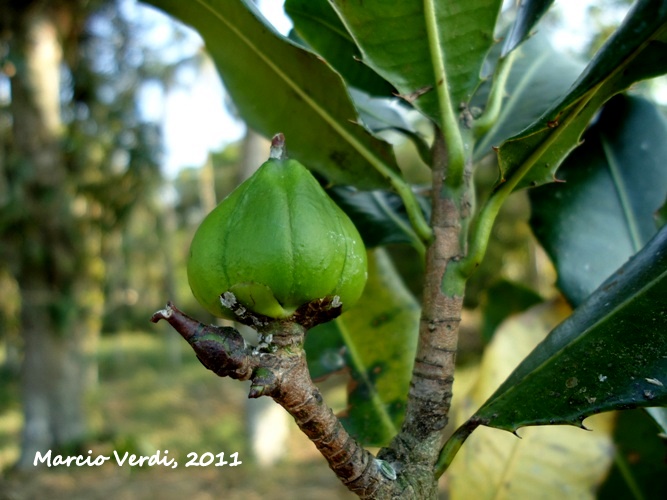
(430, 393)
(277, 368)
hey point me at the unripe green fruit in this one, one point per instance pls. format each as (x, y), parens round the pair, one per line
(276, 242)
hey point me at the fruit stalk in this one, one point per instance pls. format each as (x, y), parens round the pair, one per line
(277, 368)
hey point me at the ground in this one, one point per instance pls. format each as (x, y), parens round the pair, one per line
(152, 395)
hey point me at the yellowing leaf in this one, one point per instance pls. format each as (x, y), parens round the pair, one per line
(547, 462)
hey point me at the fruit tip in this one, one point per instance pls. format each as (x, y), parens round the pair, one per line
(278, 150)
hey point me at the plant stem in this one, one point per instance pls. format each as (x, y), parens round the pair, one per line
(487, 215)
(430, 393)
(355, 467)
(453, 445)
(415, 214)
(449, 120)
(278, 369)
(494, 103)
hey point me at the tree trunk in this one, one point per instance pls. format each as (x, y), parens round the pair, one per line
(58, 264)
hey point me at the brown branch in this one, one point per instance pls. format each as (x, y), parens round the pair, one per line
(220, 349)
(278, 368)
(430, 392)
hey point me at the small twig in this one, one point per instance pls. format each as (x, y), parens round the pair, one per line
(496, 95)
(220, 349)
(279, 370)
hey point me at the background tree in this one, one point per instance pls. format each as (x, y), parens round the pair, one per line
(76, 161)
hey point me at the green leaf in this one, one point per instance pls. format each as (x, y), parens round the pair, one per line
(640, 467)
(326, 350)
(539, 77)
(547, 460)
(528, 13)
(636, 51)
(610, 354)
(380, 338)
(603, 212)
(378, 215)
(279, 86)
(393, 41)
(380, 114)
(317, 23)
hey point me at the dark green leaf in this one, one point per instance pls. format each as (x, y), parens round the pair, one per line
(610, 354)
(380, 338)
(636, 51)
(641, 460)
(317, 23)
(394, 42)
(379, 216)
(528, 13)
(279, 86)
(603, 213)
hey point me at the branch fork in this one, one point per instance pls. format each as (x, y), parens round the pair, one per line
(277, 368)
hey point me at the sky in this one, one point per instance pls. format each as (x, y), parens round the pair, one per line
(196, 119)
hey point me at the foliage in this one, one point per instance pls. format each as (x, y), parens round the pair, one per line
(534, 110)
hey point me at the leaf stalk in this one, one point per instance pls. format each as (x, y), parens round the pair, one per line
(494, 103)
(449, 120)
(486, 218)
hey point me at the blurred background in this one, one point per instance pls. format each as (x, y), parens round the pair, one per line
(116, 139)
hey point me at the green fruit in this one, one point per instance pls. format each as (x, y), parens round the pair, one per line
(276, 242)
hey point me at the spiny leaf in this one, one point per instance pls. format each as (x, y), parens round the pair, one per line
(538, 78)
(610, 354)
(548, 460)
(636, 51)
